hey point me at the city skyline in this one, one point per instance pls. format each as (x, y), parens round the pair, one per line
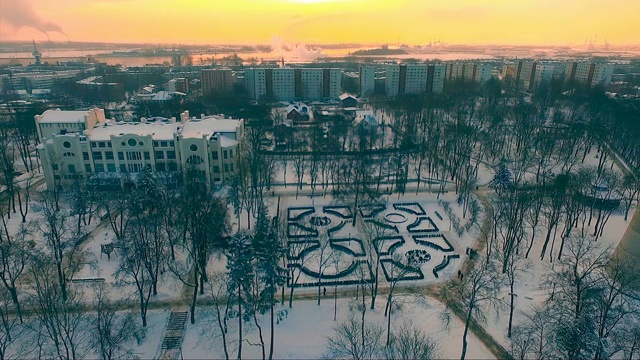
(322, 21)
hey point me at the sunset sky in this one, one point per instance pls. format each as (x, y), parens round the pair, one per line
(521, 22)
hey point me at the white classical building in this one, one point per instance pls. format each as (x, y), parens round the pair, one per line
(85, 146)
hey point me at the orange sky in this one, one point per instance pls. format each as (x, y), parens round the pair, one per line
(522, 22)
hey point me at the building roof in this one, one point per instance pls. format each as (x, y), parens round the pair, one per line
(60, 116)
(300, 108)
(197, 128)
(346, 96)
(157, 131)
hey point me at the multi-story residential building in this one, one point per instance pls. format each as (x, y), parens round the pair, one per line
(483, 73)
(85, 146)
(217, 81)
(180, 85)
(414, 78)
(542, 75)
(526, 72)
(392, 80)
(469, 71)
(602, 74)
(367, 80)
(455, 70)
(293, 83)
(588, 73)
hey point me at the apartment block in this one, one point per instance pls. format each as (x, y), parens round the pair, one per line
(287, 84)
(217, 81)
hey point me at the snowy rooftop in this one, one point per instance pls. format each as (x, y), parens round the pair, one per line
(164, 129)
(158, 131)
(197, 128)
(346, 96)
(60, 116)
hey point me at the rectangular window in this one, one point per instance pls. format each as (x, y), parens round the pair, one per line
(109, 144)
(99, 168)
(172, 166)
(87, 167)
(231, 167)
(120, 155)
(111, 167)
(123, 168)
(160, 167)
(226, 167)
(108, 155)
(147, 156)
(231, 153)
(216, 169)
(72, 169)
(171, 154)
(134, 155)
(170, 143)
(101, 144)
(93, 145)
(54, 166)
(160, 155)
(224, 154)
(85, 155)
(156, 144)
(97, 155)
(163, 143)
(214, 155)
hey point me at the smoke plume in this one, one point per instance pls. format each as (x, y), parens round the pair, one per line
(20, 13)
(293, 52)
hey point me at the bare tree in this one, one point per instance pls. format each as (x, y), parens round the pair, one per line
(14, 257)
(410, 342)
(347, 342)
(62, 322)
(62, 244)
(219, 291)
(470, 296)
(113, 332)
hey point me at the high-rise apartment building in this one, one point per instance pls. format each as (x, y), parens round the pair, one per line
(414, 78)
(293, 83)
(367, 80)
(217, 81)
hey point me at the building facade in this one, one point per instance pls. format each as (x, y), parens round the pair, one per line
(101, 151)
(216, 81)
(287, 84)
(367, 80)
(414, 78)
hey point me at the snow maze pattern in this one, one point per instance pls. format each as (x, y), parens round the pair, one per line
(411, 234)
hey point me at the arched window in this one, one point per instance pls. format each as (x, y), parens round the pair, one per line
(194, 160)
(68, 154)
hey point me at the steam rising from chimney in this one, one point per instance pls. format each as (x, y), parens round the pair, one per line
(20, 13)
(293, 52)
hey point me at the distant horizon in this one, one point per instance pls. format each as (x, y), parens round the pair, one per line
(242, 22)
(345, 44)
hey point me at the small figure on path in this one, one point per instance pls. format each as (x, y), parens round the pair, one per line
(461, 275)
(324, 292)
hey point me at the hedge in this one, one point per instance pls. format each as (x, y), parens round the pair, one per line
(392, 248)
(307, 210)
(417, 223)
(405, 207)
(334, 210)
(418, 275)
(418, 240)
(333, 243)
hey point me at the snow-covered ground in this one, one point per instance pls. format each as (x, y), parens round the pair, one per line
(303, 333)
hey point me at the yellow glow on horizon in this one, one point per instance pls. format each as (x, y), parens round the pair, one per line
(537, 22)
